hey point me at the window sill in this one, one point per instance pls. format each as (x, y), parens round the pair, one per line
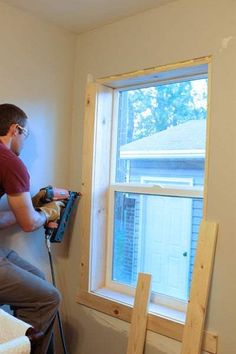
(156, 310)
(161, 320)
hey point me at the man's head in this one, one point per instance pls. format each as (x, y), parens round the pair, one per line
(13, 126)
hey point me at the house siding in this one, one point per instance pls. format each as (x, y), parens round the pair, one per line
(128, 262)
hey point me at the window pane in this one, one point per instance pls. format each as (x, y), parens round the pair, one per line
(158, 235)
(161, 133)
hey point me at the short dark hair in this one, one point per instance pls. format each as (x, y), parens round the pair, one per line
(10, 114)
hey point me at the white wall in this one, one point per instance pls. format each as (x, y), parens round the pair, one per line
(179, 31)
(37, 62)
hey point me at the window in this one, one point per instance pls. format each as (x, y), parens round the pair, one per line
(159, 151)
(143, 189)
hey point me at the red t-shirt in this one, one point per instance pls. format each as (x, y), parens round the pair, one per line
(14, 177)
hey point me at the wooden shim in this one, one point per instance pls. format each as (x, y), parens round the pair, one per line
(138, 325)
(196, 312)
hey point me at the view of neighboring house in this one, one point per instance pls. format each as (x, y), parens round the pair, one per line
(173, 157)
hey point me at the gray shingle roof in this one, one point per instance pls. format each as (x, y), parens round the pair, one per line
(189, 136)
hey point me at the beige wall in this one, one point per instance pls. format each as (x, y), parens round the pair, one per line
(37, 62)
(179, 31)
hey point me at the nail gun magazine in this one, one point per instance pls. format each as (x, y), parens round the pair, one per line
(56, 229)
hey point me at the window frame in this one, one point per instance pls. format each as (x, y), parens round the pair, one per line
(98, 112)
(156, 298)
(142, 189)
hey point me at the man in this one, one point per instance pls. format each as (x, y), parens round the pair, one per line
(23, 286)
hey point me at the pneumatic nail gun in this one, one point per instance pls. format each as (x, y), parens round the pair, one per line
(55, 230)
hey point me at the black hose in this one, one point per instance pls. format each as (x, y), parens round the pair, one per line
(47, 239)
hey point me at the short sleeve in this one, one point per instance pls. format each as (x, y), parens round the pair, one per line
(16, 177)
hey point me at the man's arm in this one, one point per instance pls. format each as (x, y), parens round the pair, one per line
(26, 216)
(7, 218)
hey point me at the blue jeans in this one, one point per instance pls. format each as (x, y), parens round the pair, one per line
(34, 299)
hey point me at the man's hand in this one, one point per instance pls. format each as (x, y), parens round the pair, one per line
(36, 200)
(52, 210)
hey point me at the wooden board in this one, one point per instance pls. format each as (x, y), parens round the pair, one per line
(157, 324)
(138, 325)
(196, 312)
(93, 206)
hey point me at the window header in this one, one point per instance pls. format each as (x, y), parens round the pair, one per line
(189, 70)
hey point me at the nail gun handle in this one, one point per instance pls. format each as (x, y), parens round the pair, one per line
(51, 225)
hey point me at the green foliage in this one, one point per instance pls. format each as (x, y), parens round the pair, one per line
(152, 109)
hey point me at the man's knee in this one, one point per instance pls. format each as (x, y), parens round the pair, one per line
(55, 296)
(38, 273)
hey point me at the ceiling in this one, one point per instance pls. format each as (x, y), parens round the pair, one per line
(84, 15)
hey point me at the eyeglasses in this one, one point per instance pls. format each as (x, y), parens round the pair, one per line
(23, 130)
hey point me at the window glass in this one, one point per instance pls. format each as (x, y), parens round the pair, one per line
(156, 234)
(162, 132)
(160, 141)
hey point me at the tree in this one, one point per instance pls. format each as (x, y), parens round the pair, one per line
(152, 109)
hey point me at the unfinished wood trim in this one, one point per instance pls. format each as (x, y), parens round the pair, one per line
(155, 69)
(137, 332)
(164, 326)
(208, 122)
(97, 122)
(196, 312)
(87, 168)
(99, 216)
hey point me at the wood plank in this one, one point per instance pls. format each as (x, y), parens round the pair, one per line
(157, 324)
(137, 332)
(110, 80)
(196, 312)
(101, 175)
(97, 121)
(85, 203)
(207, 152)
